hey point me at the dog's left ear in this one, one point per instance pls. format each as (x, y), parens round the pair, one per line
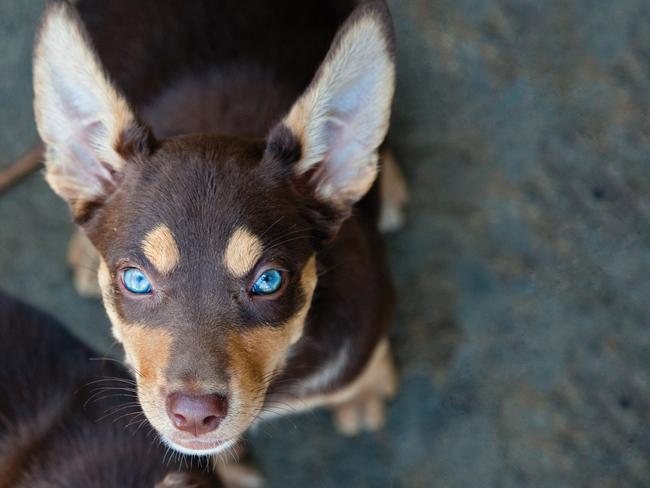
(342, 118)
(87, 126)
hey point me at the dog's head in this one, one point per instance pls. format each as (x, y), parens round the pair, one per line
(208, 243)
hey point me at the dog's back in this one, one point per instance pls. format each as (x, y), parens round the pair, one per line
(66, 421)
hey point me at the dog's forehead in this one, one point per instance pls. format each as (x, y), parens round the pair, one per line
(242, 250)
(208, 198)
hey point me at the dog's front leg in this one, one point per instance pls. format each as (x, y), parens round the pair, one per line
(364, 407)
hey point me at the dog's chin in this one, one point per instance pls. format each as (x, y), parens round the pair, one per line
(196, 447)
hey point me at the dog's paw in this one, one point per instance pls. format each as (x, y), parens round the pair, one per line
(185, 480)
(364, 408)
(236, 469)
(84, 261)
(240, 475)
(367, 413)
(394, 194)
(391, 218)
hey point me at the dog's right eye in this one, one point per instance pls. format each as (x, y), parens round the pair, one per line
(135, 281)
(268, 282)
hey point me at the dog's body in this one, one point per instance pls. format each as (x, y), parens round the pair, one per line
(68, 422)
(290, 189)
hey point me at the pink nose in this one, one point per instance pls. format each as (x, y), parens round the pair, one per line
(196, 414)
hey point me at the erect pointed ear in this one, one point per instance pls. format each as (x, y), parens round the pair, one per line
(88, 128)
(342, 118)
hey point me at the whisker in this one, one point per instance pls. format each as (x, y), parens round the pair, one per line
(270, 227)
(121, 363)
(106, 397)
(113, 412)
(115, 388)
(111, 378)
(286, 241)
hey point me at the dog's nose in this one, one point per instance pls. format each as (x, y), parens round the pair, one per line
(196, 414)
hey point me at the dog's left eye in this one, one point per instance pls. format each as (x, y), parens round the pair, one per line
(135, 281)
(268, 282)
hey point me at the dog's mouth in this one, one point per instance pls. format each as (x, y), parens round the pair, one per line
(197, 446)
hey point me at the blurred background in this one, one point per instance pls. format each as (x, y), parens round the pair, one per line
(523, 329)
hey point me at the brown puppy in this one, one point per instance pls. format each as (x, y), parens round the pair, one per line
(240, 259)
(67, 422)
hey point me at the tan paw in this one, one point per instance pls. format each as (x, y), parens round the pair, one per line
(394, 194)
(84, 261)
(235, 471)
(364, 407)
(185, 480)
(240, 475)
(362, 414)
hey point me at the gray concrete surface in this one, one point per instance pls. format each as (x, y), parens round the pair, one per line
(523, 335)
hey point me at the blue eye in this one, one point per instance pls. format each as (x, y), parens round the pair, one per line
(268, 282)
(135, 281)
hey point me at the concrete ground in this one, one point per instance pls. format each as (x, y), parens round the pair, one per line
(523, 333)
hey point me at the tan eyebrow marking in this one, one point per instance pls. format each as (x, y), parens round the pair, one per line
(242, 252)
(160, 248)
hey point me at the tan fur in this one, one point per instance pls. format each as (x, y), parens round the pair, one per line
(242, 252)
(362, 49)
(147, 350)
(160, 248)
(63, 57)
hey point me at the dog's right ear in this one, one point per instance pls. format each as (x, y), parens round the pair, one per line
(88, 128)
(332, 133)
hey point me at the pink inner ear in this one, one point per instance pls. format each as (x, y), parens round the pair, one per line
(349, 117)
(83, 136)
(89, 164)
(345, 159)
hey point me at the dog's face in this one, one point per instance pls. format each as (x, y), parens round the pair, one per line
(210, 286)
(208, 243)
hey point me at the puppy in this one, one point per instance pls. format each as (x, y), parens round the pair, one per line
(69, 422)
(233, 203)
